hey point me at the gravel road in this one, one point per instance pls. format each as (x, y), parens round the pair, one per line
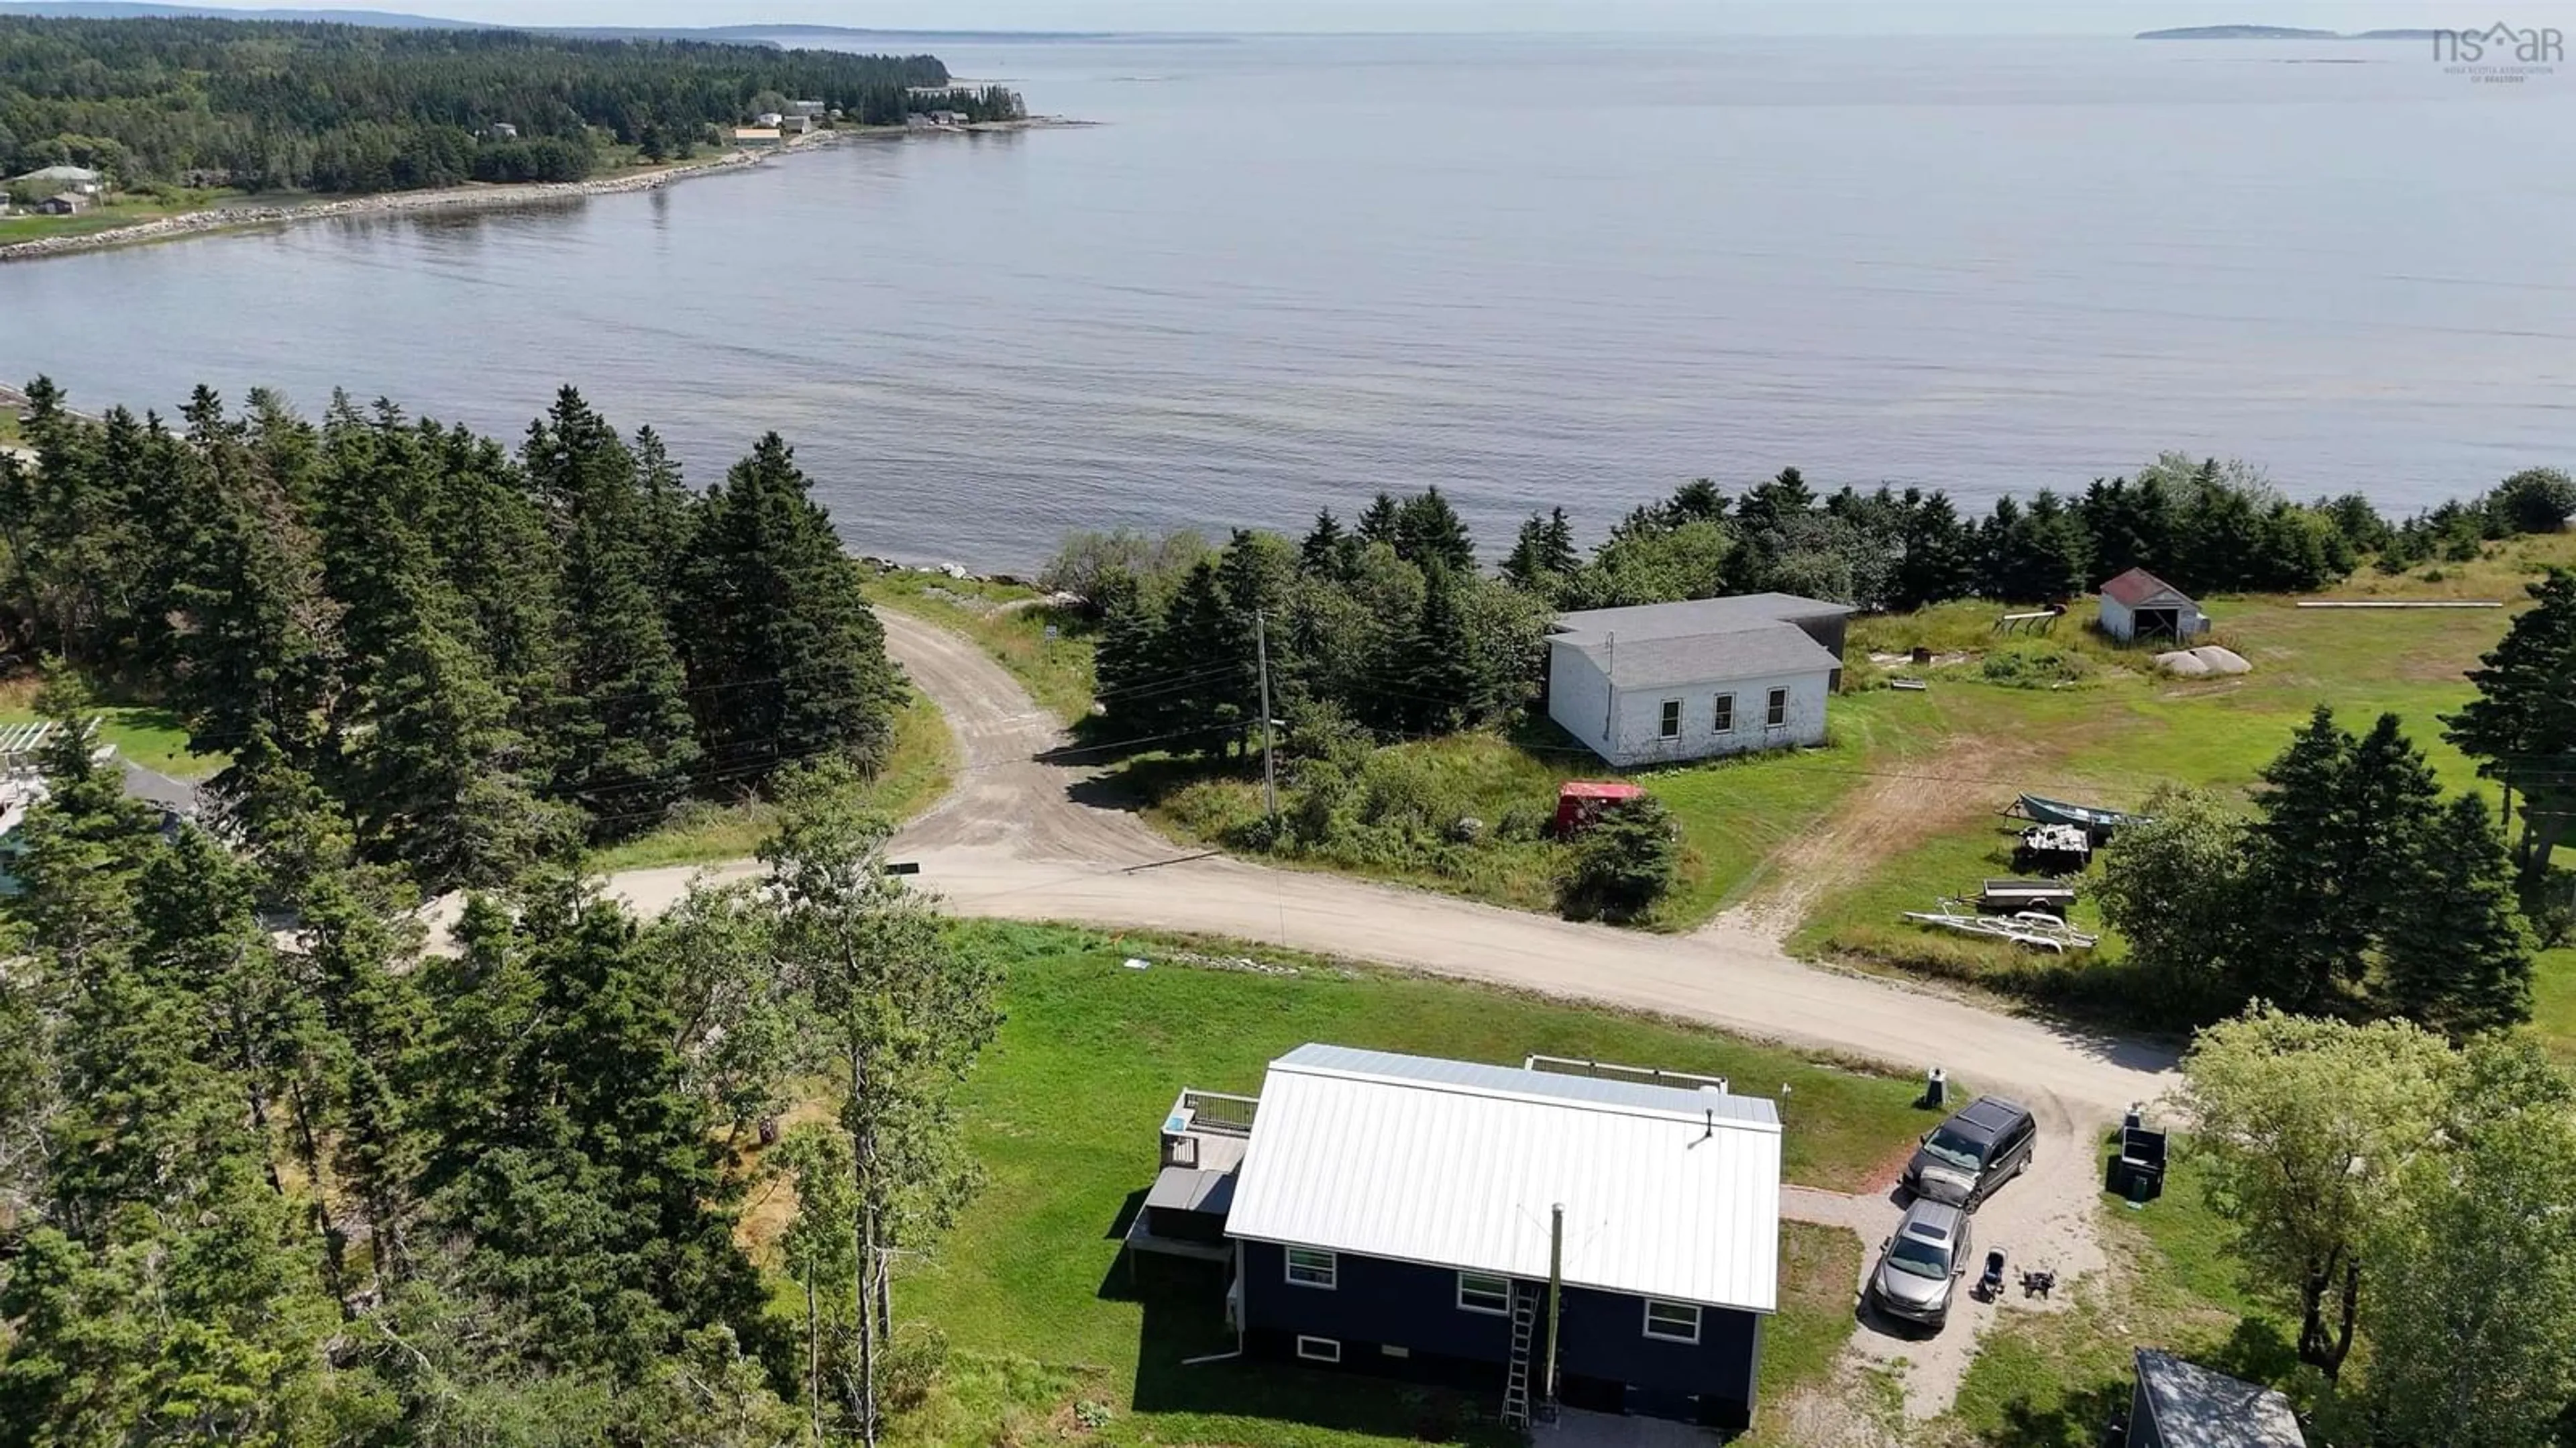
(1016, 838)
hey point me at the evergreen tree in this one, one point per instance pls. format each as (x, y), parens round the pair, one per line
(1326, 551)
(253, 654)
(2521, 728)
(2456, 956)
(1443, 678)
(1543, 555)
(594, 1189)
(1125, 660)
(2314, 932)
(1428, 531)
(1377, 522)
(357, 1118)
(662, 531)
(1199, 660)
(2391, 802)
(442, 781)
(625, 743)
(1939, 561)
(502, 567)
(2056, 557)
(1624, 863)
(1768, 507)
(786, 660)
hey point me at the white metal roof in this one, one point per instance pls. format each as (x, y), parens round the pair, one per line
(1667, 1192)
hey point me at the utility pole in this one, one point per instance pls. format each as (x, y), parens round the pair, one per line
(1269, 758)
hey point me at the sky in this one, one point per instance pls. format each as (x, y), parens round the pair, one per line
(1761, 17)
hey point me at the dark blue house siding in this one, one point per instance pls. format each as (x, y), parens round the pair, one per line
(1377, 1302)
(1605, 1338)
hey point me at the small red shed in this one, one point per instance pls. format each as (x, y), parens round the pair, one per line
(1580, 801)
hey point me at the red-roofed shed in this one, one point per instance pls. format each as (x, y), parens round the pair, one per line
(2139, 605)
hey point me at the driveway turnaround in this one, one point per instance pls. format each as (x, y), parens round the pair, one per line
(1019, 836)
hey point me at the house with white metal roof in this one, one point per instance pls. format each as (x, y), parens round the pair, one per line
(1666, 682)
(1558, 1231)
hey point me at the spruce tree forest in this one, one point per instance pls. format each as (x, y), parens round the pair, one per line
(285, 1159)
(280, 106)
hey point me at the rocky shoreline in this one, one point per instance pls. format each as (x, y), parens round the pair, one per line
(455, 198)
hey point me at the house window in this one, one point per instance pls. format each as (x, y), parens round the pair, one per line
(1308, 1267)
(1777, 715)
(1391, 1350)
(1672, 721)
(1480, 1293)
(1723, 718)
(1319, 1349)
(1672, 1321)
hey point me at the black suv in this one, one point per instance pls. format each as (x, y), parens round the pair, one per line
(1963, 1160)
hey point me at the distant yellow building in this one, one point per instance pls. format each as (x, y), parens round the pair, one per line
(755, 136)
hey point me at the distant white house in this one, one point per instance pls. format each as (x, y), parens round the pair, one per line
(73, 180)
(504, 131)
(1666, 682)
(769, 119)
(806, 108)
(2138, 605)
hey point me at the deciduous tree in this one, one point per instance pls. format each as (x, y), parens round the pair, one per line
(2305, 1126)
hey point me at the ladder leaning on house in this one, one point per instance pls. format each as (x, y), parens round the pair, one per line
(1516, 1379)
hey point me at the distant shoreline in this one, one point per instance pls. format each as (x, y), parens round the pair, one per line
(481, 197)
(2277, 32)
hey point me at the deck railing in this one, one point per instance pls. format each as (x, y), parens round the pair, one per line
(1217, 1111)
(1612, 1071)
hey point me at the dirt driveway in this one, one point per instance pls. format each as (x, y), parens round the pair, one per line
(1016, 838)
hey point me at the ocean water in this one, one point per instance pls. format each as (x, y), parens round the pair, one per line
(1284, 273)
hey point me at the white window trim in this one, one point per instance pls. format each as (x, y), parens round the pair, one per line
(1465, 1306)
(1671, 708)
(1721, 715)
(1780, 708)
(1692, 1308)
(1332, 1268)
(1319, 1349)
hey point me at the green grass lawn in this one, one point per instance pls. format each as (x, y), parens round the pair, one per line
(2122, 731)
(1734, 814)
(2052, 1380)
(1062, 1114)
(705, 833)
(148, 735)
(1012, 622)
(118, 211)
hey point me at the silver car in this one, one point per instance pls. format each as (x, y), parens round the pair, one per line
(1920, 1266)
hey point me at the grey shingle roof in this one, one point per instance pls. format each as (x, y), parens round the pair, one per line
(1769, 651)
(1702, 641)
(2197, 1408)
(1745, 611)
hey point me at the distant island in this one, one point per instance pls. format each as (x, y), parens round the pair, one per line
(2277, 32)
